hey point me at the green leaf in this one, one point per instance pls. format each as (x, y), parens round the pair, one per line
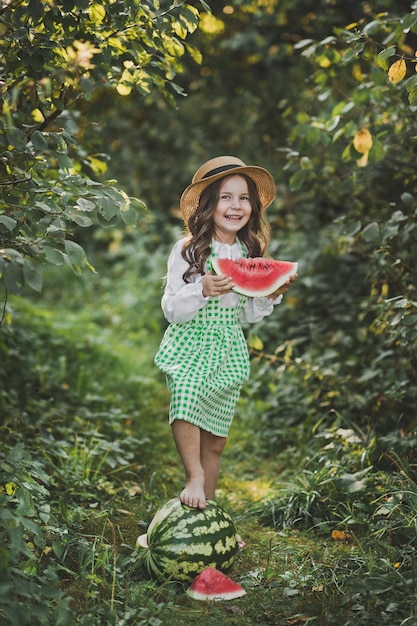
(79, 218)
(16, 138)
(75, 253)
(85, 205)
(13, 277)
(32, 275)
(297, 179)
(138, 204)
(188, 17)
(371, 232)
(372, 27)
(408, 21)
(107, 207)
(399, 302)
(303, 43)
(75, 180)
(64, 162)
(129, 215)
(407, 198)
(353, 229)
(412, 96)
(377, 152)
(206, 7)
(53, 255)
(8, 222)
(397, 319)
(46, 208)
(349, 153)
(351, 53)
(60, 140)
(384, 56)
(38, 141)
(178, 89)
(106, 222)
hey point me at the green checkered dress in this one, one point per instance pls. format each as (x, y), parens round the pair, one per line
(206, 362)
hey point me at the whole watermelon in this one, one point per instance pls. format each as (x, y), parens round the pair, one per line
(182, 541)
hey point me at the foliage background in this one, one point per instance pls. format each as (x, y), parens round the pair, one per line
(107, 110)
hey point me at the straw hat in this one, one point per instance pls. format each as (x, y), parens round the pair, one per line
(219, 167)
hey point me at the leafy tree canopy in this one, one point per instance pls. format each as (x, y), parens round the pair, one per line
(56, 55)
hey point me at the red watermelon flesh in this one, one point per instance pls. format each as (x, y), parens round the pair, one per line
(255, 277)
(211, 584)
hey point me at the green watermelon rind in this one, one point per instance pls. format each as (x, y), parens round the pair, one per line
(255, 277)
(183, 541)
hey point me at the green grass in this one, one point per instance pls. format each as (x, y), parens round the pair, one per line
(86, 458)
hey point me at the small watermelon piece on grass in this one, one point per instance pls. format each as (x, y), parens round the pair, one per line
(255, 277)
(181, 541)
(211, 584)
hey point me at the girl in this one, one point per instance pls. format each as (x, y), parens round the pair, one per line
(204, 353)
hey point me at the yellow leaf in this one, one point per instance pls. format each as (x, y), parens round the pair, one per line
(123, 90)
(255, 342)
(37, 115)
(97, 165)
(324, 61)
(97, 12)
(363, 161)
(81, 53)
(10, 488)
(385, 290)
(397, 71)
(339, 535)
(362, 141)
(210, 24)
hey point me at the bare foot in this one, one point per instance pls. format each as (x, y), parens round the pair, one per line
(193, 494)
(241, 544)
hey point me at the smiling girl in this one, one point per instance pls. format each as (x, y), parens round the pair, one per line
(203, 352)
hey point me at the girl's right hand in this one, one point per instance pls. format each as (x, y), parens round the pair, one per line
(216, 284)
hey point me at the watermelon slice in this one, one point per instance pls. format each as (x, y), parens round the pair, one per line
(211, 584)
(255, 277)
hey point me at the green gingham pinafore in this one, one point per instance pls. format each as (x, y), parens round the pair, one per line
(206, 362)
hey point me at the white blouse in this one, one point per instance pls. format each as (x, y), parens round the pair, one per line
(182, 301)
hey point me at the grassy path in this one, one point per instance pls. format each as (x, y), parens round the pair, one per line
(288, 576)
(94, 432)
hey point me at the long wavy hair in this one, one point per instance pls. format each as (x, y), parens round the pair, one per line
(254, 235)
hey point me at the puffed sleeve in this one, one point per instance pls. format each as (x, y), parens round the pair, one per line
(181, 301)
(258, 308)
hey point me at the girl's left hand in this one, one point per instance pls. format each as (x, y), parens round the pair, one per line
(284, 288)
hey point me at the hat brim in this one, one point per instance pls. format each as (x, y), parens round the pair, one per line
(262, 178)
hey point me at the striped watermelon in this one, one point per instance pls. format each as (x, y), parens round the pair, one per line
(182, 541)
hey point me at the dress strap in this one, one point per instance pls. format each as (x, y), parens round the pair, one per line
(242, 248)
